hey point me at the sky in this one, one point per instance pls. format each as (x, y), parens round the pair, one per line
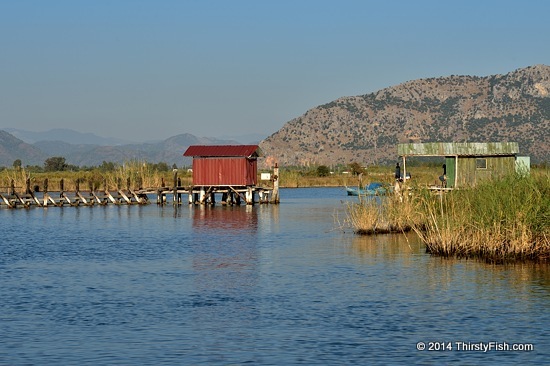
(150, 69)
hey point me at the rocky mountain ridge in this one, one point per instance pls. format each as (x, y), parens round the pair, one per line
(367, 128)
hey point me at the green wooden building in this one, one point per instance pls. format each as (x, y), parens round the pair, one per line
(470, 162)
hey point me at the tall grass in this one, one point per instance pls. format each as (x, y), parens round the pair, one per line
(382, 214)
(140, 175)
(19, 177)
(500, 221)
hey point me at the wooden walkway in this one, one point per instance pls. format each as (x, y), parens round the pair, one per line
(228, 195)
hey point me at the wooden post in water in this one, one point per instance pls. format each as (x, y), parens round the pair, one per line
(179, 194)
(30, 192)
(107, 193)
(275, 195)
(47, 197)
(249, 196)
(190, 193)
(201, 195)
(46, 194)
(175, 200)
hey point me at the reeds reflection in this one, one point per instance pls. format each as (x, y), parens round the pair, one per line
(387, 247)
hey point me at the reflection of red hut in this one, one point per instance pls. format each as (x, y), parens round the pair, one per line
(224, 165)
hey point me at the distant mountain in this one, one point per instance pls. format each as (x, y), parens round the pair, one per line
(250, 139)
(169, 151)
(67, 135)
(12, 148)
(367, 128)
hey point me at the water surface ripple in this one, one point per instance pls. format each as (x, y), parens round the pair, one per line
(264, 284)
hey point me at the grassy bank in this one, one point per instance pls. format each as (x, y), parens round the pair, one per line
(499, 221)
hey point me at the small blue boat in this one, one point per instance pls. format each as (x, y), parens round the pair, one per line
(372, 189)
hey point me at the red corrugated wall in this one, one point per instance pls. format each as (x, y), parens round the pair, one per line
(224, 172)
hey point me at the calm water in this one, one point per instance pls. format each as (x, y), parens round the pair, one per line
(262, 285)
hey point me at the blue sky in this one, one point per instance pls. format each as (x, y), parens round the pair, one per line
(144, 69)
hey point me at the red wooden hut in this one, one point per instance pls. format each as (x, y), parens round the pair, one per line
(224, 165)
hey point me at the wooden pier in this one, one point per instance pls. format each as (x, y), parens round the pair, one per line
(19, 197)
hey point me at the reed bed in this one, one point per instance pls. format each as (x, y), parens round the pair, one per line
(140, 175)
(382, 214)
(500, 221)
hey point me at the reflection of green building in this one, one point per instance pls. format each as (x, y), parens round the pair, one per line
(469, 162)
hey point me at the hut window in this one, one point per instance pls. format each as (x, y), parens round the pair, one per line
(481, 163)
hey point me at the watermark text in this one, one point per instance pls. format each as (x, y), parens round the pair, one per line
(463, 346)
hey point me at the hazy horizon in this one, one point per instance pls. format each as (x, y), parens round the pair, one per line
(43, 135)
(143, 70)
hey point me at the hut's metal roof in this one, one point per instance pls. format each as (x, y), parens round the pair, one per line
(458, 149)
(223, 151)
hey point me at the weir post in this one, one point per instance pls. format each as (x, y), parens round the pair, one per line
(159, 192)
(202, 195)
(275, 194)
(175, 188)
(46, 194)
(179, 193)
(249, 196)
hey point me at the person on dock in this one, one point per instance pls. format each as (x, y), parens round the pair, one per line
(443, 178)
(397, 172)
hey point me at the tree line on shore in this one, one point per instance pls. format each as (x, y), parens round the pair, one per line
(59, 164)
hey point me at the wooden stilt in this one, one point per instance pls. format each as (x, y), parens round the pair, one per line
(175, 200)
(202, 195)
(275, 194)
(249, 196)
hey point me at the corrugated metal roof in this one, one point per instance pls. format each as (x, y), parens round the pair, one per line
(458, 148)
(223, 150)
